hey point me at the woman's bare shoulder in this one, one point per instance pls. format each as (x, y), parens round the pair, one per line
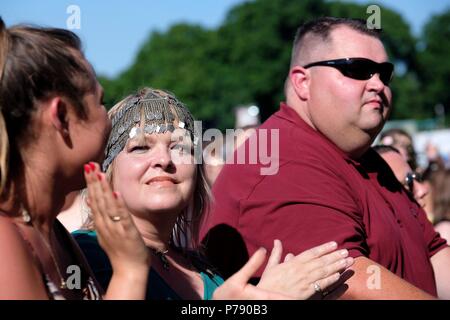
(19, 275)
(10, 237)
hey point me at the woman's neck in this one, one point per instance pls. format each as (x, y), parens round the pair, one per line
(38, 193)
(155, 232)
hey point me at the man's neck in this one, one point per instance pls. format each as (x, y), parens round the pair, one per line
(353, 147)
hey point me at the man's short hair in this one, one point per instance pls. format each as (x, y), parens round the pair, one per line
(321, 29)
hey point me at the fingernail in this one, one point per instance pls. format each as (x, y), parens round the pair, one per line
(343, 252)
(349, 261)
(92, 165)
(87, 169)
(333, 244)
(99, 176)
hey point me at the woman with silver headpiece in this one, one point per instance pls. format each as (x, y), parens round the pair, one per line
(152, 163)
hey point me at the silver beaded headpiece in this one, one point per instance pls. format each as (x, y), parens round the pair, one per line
(153, 111)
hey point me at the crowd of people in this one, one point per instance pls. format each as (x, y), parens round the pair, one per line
(122, 196)
(429, 185)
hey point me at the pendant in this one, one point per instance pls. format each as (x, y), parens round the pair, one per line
(63, 285)
(162, 257)
(164, 261)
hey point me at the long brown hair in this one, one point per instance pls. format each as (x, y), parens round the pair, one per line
(35, 64)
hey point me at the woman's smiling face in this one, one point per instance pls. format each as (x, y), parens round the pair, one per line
(156, 173)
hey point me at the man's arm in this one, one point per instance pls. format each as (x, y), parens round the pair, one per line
(373, 281)
(441, 268)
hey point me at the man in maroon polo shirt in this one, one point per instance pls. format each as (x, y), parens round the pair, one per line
(329, 184)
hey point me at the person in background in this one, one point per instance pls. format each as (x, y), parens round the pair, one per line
(217, 152)
(402, 141)
(410, 179)
(440, 185)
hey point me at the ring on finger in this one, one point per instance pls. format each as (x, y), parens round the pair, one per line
(319, 290)
(116, 218)
(317, 287)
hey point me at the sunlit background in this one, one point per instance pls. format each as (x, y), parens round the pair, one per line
(219, 55)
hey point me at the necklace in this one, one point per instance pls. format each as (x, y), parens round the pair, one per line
(162, 255)
(27, 219)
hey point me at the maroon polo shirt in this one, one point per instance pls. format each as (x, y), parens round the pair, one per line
(319, 194)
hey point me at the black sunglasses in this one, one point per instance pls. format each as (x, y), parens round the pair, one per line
(359, 68)
(409, 181)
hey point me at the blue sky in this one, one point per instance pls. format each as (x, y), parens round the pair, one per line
(113, 31)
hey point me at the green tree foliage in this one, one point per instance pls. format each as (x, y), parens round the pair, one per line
(256, 44)
(246, 59)
(434, 62)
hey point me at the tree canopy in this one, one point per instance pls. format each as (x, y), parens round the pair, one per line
(246, 60)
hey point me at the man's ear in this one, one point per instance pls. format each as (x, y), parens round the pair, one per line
(300, 79)
(59, 115)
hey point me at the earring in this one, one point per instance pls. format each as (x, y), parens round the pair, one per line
(26, 216)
